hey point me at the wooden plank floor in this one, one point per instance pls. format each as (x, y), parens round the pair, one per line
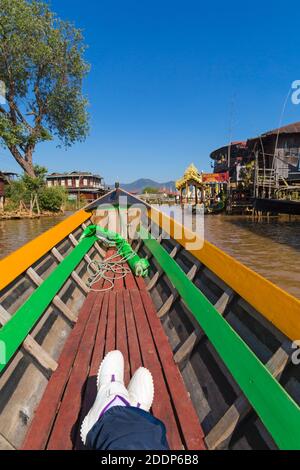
(125, 319)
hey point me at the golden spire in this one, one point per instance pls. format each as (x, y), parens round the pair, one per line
(191, 175)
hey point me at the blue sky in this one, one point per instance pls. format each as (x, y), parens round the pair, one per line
(169, 79)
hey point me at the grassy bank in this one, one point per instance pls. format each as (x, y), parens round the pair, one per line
(18, 215)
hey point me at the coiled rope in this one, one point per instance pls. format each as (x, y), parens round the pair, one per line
(100, 269)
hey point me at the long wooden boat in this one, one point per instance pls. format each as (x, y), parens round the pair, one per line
(277, 206)
(216, 208)
(217, 337)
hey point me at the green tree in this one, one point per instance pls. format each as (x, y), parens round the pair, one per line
(42, 66)
(16, 192)
(150, 190)
(52, 199)
(29, 189)
(35, 183)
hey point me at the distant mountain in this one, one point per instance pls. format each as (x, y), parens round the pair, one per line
(141, 184)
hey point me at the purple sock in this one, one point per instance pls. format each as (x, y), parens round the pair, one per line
(116, 401)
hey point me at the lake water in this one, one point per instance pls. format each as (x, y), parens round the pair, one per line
(272, 248)
(15, 233)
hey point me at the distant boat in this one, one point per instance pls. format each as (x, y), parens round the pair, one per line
(216, 208)
(277, 206)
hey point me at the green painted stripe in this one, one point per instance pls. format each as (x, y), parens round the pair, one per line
(277, 410)
(19, 326)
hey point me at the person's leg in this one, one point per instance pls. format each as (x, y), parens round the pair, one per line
(141, 389)
(119, 419)
(127, 428)
(111, 391)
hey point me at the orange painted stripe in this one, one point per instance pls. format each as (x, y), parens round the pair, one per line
(19, 261)
(276, 305)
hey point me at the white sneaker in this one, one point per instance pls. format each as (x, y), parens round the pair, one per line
(111, 369)
(141, 389)
(110, 384)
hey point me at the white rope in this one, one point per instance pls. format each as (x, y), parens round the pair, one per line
(98, 270)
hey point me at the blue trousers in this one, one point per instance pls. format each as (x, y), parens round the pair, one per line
(127, 428)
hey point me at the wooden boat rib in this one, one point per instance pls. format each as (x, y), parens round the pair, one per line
(226, 329)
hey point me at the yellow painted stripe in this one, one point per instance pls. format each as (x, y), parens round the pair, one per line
(279, 307)
(19, 261)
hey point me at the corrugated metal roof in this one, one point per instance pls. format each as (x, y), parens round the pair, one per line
(239, 144)
(293, 128)
(74, 173)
